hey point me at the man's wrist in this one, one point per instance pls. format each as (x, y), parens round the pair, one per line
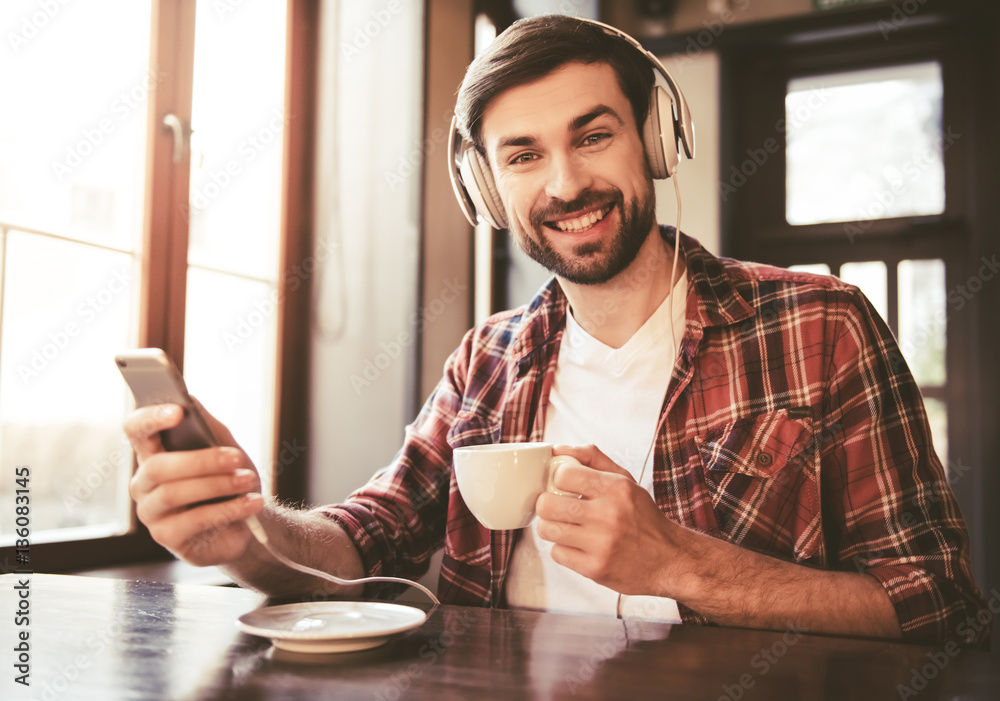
(684, 570)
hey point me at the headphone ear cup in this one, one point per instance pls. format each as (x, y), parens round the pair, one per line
(659, 136)
(478, 180)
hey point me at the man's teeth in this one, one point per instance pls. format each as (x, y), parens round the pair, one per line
(584, 222)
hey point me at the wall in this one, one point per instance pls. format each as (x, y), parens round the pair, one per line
(367, 209)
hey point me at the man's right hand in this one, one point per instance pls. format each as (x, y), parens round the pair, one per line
(167, 485)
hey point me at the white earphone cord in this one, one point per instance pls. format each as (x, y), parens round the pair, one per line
(673, 338)
(260, 534)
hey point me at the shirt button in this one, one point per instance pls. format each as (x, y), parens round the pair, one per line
(764, 459)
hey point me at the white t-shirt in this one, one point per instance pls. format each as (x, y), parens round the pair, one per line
(611, 398)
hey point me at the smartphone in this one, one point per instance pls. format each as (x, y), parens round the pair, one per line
(154, 379)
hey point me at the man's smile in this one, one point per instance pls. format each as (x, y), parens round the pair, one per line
(580, 222)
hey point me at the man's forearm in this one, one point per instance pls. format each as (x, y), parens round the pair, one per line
(306, 538)
(738, 587)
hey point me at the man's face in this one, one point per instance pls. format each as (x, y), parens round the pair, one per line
(571, 172)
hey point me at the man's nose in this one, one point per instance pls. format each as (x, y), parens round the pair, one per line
(567, 178)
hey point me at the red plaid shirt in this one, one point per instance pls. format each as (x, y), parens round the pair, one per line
(794, 428)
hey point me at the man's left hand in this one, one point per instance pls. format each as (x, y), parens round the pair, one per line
(613, 533)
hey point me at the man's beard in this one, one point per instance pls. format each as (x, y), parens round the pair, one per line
(594, 262)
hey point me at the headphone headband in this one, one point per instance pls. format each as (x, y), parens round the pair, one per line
(683, 116)
(668, 122)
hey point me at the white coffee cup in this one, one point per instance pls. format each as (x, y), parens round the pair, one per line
(500, 482)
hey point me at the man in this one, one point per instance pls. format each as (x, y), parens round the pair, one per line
(773, 467)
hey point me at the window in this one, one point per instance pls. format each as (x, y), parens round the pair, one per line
(864, 145)
(142, 127)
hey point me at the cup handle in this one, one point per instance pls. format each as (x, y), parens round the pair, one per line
(554, 462)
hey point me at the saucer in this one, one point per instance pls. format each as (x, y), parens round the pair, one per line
(331, 626)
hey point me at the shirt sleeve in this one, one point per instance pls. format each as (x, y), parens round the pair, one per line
(397, 520)
(889, 510)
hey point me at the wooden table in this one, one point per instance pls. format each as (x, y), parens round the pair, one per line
(115, 639)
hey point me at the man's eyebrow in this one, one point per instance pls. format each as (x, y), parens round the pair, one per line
(510, 141)
(599, 111)
(575, 124)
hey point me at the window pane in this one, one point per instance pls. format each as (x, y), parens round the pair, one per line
(67, 309)
(229, 357)
(870, 276)
(235, 202)
(865, 145)
(75, 81)
(236, 147)
(817, 268)
(72, 130)
(937, 416)
(922, 319)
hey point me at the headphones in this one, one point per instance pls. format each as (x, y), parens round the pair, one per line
(667, 129)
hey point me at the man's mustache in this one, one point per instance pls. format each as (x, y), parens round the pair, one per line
(589, 199)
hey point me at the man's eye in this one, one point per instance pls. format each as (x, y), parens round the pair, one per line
(592, 139)
(522, 158)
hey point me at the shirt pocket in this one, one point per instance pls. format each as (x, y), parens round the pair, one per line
(759, 446)
(762, 472)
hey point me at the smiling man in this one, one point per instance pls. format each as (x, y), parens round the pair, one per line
(752, 453)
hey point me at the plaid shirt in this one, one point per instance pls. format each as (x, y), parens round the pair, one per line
(794, 428)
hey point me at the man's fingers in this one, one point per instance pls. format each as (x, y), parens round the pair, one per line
(167, 467)
(143, 427)
(562, 508)
(591, 456)
(178, 495)
(187, 531)
(585, 481)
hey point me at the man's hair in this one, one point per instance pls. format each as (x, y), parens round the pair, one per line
(532, 48)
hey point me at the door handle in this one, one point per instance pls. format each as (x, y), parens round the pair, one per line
(180, 132)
